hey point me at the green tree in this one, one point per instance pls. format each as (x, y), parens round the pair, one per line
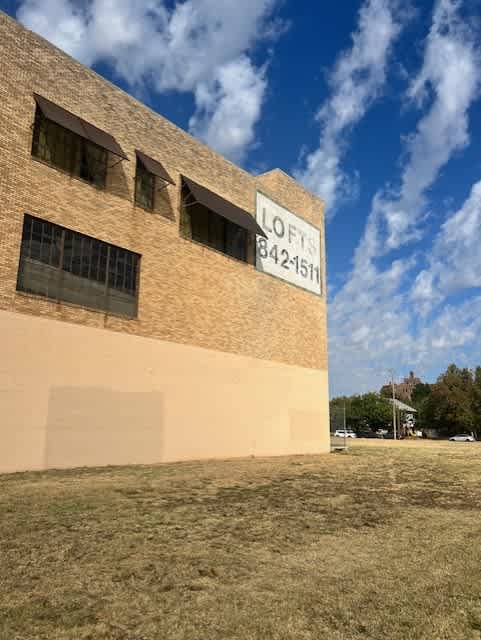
(419, 401)
(366, 411)
(449, 407)
(386, 391)
(420, 393)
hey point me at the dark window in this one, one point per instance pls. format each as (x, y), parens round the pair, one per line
(66, 150)
(71, 267)
(217, 232)
(144, 187)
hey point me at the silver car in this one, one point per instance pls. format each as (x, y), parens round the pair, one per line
(462, 437)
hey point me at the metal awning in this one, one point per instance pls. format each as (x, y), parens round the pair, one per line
(154, 167)
(223, 207)
(78, 125)
(401, 406)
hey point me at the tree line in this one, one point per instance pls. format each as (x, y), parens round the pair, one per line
(451, 405)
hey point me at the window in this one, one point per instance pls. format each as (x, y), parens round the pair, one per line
(68, 151)
(217, 232)
(214, 221)
(68, 266)
(144, 187)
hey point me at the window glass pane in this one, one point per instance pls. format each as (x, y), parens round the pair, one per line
(144, 187)
(135, 272)
(132, 282)
(56, 246)
(200, 223)
(36, 240)
(216, 231)
(61, 144)
(98, 260)
(129, 272)
(112, 266)
(46, 242)
(86, 257)
(236, 241)
(68, 250)
(94, 259)
(52, 143)
(119, 281)
(92, 163)
(103, 262)
(75, 264)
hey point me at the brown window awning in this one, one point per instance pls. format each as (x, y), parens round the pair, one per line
(223, 207)
(79, 126)
(154, 167)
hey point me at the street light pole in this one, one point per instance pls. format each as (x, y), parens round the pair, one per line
(393, 404)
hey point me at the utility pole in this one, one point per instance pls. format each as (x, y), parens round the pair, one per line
(344, 423)
(393, 404)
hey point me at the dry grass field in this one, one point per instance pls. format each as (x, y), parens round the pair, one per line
(381, 542)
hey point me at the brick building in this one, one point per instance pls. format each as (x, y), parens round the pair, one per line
(157, 302)
(403, 390)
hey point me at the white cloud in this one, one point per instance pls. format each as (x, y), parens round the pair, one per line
(58, 21)
(228, 106)
(355, 83)
(383, 333)
(450, 76)
(455, 328)
(195, 47)
(369, 328)
(376, 303)
(455, 260)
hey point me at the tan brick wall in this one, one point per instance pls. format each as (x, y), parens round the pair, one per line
(188, 293)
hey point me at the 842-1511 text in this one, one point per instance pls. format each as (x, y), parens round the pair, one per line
(281, 256)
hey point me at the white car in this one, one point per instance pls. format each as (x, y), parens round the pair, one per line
(345, 433)
(462, 437)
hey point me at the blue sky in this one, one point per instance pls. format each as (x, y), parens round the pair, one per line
(374, 105)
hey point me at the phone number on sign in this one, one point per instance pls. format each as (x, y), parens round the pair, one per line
(301, 266)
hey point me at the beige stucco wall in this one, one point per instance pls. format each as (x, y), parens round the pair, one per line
(79, 396)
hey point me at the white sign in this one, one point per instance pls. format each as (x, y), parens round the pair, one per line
(292, 251)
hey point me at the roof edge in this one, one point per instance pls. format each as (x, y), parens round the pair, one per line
(126, 93)
(291, 179)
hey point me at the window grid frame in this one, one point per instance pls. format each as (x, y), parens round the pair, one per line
(139, 170)
(128, 267)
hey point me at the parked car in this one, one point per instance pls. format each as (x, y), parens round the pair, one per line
(389, 435)
(366, 434)
(462, 437)
(345, 433)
